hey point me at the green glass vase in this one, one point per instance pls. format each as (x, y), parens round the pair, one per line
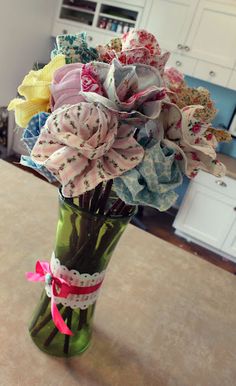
(84, 243)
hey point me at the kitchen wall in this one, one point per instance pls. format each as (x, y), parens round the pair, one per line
(25, 28)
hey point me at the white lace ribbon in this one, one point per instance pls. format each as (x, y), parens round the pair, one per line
(75, 278)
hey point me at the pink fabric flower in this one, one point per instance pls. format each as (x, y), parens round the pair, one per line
(70, 80)
(85, 144)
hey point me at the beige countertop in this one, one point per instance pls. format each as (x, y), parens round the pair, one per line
(230, 164)
(164, 317)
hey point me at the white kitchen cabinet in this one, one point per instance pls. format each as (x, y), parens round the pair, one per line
(170, 20)
(207, 214)
(212, 36)
(203, 31)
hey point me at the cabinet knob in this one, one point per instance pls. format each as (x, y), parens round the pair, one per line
(212, 73)
(235, 208)
(180, 46)
(64, 31)
(90, 38)
(178, 63)
(221, 183)
(186, 48)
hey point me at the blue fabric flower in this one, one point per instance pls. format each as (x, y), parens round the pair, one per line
(152, 182)
(29, 137)
(75, 48)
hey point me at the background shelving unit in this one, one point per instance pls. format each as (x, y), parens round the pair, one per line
(101, 19)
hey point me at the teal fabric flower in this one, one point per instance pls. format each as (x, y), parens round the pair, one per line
(152, 182)
(75, 48)
(29, 137)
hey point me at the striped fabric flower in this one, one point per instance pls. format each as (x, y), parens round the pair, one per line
(85, 144)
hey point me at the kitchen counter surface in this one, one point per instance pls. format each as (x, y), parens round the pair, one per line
(164, 316)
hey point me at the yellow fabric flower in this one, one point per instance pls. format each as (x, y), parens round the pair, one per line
(35, 88)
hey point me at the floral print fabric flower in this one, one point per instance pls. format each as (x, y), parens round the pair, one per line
(183, 96)
(85, 144)
(75, 48)
(184, 130)
(35, 89)
(137, 46)
(152, 182)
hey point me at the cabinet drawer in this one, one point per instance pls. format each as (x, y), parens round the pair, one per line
(224, 185)
(232, 81)
(212, 73)
(183, 63)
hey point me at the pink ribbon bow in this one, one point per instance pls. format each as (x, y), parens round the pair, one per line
(60, 288)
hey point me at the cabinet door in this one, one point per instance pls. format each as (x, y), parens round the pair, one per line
(170, 20)
(212, 36)
(205, 215)
(229, 245)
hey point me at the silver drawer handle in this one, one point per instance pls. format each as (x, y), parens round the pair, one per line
(180, 46)
(64, 32)
(90, 38)
(221, 183)
(187, 49)
(178, 63)
(212, 73)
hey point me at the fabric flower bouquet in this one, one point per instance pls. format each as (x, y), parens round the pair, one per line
(115, 129)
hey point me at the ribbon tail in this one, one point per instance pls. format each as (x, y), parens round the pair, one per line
(58, 320)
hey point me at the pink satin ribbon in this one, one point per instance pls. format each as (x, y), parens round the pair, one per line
(60, 288)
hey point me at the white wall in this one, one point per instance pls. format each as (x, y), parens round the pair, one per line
(25, 29)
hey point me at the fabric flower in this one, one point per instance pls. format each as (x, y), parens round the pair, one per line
(152, 182)
(30, 136)
(35, 89)
(183, 96)
(183, 129)
(75, 48)
(174, 79)
(83, 145)
(137, 46)
(134, 92)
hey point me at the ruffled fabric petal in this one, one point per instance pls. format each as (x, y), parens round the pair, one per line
(74, 48)
(27, 161)
(35, 89)
(29, 137)
(25, 110)
(152, 182)
(83, 145)
(32, 131)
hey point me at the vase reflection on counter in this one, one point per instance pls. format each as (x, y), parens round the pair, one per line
(84, 245)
